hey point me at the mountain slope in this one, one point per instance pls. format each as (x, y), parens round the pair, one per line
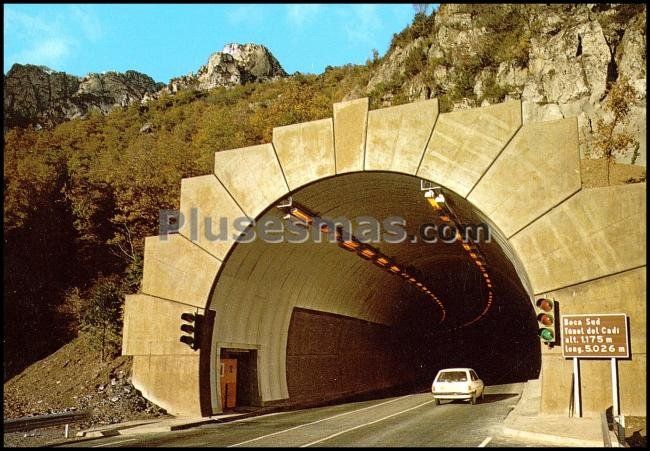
(39, 96)
(560, 60)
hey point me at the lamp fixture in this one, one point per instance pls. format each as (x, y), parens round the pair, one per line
(301, 215)
(367, 252)
(382, 261)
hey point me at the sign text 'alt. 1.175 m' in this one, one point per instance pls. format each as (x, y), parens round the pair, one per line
(595, 336)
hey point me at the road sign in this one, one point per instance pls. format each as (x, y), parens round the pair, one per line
(595, 336)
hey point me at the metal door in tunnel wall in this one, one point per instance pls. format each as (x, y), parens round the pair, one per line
(228, 383)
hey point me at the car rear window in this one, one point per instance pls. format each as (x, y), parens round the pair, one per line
(452, 376)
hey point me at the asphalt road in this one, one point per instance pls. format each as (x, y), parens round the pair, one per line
(411, 420)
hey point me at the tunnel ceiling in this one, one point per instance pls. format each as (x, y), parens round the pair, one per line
(324, 277)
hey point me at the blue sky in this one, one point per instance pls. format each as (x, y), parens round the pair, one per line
(169, 40)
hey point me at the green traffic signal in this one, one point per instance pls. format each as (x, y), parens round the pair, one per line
(546, 334)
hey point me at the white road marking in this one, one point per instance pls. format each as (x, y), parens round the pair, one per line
(317, 421)
(114, 443)
(485, 442)
(256, 417)
(367, 424)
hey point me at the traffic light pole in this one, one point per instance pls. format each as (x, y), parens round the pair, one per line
(576, 388)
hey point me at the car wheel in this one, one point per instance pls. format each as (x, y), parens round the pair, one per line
(472, 400)
(436, 402)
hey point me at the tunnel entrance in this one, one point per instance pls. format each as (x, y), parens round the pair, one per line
(342, 326)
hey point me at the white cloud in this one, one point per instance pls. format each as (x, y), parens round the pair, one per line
(41, 42)
(245, 14)
(88, 21)
(362, 24)
(47, 39)
(300, 15)
(50, 52)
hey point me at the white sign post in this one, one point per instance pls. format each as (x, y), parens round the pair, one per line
(615, 410)
(576, 388)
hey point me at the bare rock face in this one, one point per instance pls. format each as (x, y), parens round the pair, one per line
(236, 64)
(571, 58)
(36, 95)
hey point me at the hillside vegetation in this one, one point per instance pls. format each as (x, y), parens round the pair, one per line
(81, 197)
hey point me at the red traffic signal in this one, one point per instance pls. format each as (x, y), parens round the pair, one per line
(545, 304)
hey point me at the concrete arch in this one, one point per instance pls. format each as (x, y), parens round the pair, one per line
(524, 178)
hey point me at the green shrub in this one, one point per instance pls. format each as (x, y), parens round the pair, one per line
(102, 317)
(492, 91)
(415, 62)
(422, 25)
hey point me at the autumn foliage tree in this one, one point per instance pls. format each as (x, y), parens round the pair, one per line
(81, 197)
(611, 139)
(102, 315)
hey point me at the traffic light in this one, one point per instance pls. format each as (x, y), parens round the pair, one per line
(547, 320)
(191, 329)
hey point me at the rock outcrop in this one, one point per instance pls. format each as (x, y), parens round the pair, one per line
(236, 64)
(39, 96)
(560, 60)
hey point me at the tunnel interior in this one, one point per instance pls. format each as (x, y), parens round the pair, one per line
(347, 326)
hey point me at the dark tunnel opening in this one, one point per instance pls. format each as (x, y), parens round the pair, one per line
(357, 330)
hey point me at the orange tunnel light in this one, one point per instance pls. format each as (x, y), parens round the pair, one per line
(382, 261)
(367, 252)
(301, 215)
(349, 245)
(435, 205)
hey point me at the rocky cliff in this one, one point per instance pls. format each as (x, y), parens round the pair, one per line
(39, 96)
(236, 64)
(587, 61)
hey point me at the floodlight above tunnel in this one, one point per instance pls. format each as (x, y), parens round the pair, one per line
(301, 215)
(435, 200)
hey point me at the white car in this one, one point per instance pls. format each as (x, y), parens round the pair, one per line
(457, 383)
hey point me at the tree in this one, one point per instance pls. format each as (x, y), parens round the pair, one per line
(611, 139)
(103, 315)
